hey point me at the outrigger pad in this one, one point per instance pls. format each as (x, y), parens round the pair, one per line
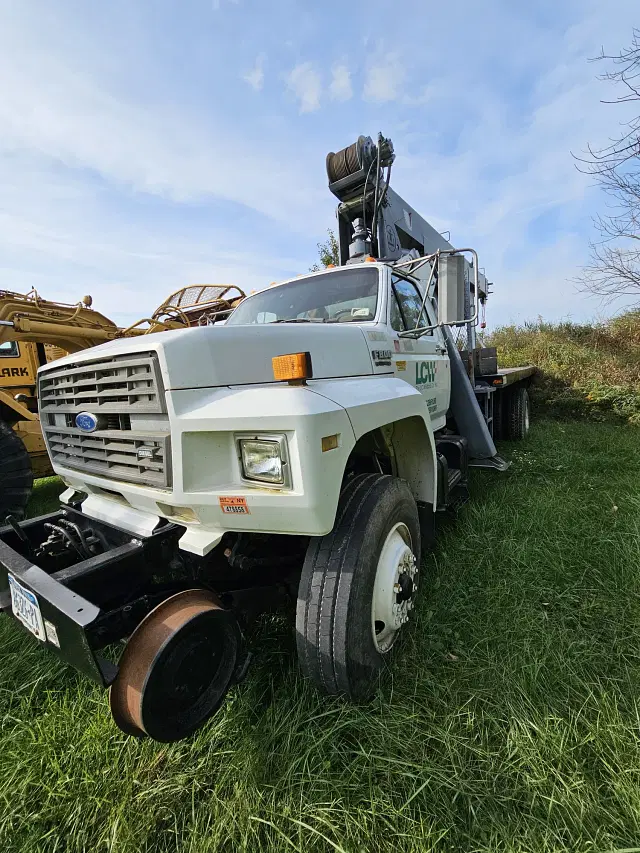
(176, 668)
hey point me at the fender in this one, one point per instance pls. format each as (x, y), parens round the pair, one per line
(380, 401)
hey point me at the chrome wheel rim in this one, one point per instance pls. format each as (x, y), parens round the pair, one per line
(394, 587)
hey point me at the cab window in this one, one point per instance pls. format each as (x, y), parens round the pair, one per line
(9, 349)
(406, 306)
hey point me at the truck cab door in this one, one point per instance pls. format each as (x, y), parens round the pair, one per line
(423, 361)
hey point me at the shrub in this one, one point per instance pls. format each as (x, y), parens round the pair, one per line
(584, 370)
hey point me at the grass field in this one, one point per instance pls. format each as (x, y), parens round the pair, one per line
(511, 723)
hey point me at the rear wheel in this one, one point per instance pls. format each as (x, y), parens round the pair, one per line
(16, 478)
(517, 415)
(357, 586)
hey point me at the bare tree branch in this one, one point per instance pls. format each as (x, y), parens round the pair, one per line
(614, 267)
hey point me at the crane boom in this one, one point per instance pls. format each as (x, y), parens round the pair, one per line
(373, 219)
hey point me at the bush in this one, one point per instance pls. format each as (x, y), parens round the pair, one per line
(584, 370)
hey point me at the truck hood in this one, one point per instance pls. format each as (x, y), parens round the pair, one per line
(212, 356)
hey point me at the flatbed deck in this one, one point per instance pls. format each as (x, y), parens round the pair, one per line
(509, 375)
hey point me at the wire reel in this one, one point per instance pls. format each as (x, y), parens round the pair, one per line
(351, 159)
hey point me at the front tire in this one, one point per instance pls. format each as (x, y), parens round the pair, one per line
(357, 586)
(16, 478)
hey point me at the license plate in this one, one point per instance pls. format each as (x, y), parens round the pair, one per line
(26, 608)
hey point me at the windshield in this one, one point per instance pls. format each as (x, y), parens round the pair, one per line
(342, 296)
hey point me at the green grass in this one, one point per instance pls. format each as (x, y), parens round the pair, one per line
(44, 497)
(584, 370)
(511, 721)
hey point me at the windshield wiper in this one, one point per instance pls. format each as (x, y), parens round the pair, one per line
(298, 320)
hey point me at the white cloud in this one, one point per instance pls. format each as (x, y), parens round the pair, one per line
(340, 88)
(62, 238)
(384, 78)
(129, 193)
(123, 176)
(489, 157)
(426, 96)
(52, 109)
(304, 81)
(216, 4)
(255, 77)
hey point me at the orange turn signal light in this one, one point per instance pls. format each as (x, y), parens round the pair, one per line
(295, 365)
(330, 442)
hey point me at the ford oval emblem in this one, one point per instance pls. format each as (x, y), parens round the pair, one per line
(87, 422)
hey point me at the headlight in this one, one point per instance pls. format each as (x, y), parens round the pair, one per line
(264, 459)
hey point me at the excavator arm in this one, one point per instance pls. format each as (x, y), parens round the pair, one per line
(12, 410)
(28, 317)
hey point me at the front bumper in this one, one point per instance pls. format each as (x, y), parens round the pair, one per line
(81, 625)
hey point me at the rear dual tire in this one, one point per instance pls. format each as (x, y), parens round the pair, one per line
(357, 586)
(517, 418)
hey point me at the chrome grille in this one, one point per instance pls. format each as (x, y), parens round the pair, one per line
(123, 384)
(128, 391)
(112, 454)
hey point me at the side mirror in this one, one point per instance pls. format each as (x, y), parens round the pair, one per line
(451, 287)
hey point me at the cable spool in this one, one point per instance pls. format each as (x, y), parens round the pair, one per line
(349, 160)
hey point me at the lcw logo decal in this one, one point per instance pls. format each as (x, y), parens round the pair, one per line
(425, 372)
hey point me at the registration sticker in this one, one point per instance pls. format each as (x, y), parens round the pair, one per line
(51, 632)
(234, 506)
(401, 365)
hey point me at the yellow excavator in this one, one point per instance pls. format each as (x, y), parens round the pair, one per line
(34, 331)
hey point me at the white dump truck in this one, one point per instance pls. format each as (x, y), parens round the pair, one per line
(300, 453)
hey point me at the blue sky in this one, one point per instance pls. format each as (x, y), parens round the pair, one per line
(149, 145)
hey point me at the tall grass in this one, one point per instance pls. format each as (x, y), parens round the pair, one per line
(583, 370)
(510, 720)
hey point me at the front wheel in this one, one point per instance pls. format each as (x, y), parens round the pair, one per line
(358, 585)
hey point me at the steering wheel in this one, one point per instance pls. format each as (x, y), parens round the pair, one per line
(211, 317)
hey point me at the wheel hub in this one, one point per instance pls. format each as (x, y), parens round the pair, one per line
(394, 587)
(406, 588)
